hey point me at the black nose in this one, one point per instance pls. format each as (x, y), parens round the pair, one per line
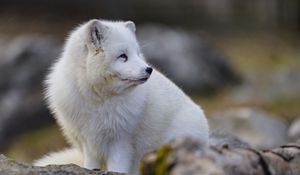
(149, 70)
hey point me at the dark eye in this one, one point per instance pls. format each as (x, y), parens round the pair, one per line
(123, 57)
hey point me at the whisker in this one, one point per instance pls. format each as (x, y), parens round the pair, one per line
(146, 44)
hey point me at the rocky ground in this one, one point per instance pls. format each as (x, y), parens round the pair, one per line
(186, 156)
(12, 167)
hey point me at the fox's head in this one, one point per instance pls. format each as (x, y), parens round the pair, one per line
(111, 55)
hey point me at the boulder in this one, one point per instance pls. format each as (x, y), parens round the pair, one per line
(12, 167)
(222, 139)
(186, 156)
(258, 128)
(268, 86)
(188, 60)
(24, 61)
(294, 130)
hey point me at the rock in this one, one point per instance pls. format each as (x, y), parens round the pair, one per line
(11, 167)
(294, 130)
(285, 82)
(180, 157)
(185, 156)
(188, 157)
(258, 128)
(222, 139)
(23, 64)
(268, 86)
(190, 61)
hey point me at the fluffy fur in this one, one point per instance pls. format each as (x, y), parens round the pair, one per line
(67, 156)
(110, 108)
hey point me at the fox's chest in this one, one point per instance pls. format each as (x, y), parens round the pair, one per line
(110, 121)
(96, 124)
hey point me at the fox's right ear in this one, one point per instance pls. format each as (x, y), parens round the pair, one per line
(96, 32)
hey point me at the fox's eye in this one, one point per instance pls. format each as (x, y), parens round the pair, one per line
(123, 57)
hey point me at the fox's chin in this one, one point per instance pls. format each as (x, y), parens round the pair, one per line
(132, 83)
(137, 81)
(134, 80)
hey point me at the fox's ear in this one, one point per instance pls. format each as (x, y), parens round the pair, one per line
(130, 25)
(96, 32)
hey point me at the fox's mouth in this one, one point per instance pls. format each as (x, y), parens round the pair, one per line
(135, 80)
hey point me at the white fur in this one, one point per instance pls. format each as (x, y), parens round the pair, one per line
(67, 156)
(111, 119)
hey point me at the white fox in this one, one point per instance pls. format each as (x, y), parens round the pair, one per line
(111, 105)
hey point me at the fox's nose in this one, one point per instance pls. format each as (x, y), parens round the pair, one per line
(149, 70)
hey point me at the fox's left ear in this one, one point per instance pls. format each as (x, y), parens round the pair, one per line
(96, 32)
(130, 25)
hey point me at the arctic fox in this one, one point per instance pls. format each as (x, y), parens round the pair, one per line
(111, 105)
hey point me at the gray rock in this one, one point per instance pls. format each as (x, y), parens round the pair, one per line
(258, 128)
(186, 156)
(11, 167)
(267, 86)
(222, 139)
(182, 156)
(294, 130)
(24, 62)
(185, 58)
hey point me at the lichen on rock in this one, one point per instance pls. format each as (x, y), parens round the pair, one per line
(188, 157)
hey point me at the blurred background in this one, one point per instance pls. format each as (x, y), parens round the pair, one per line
(240, 60)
